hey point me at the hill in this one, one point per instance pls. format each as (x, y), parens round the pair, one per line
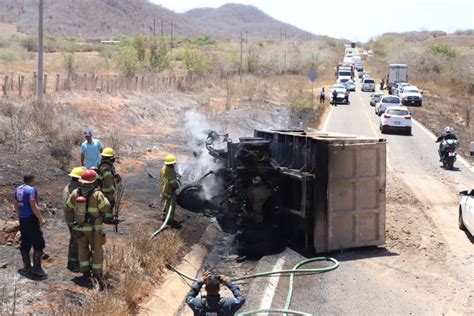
(109, 18)
(229, 19)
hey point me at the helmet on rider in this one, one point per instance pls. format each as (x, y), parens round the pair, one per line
(448, 130)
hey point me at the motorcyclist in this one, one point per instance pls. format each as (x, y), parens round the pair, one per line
(448, 133)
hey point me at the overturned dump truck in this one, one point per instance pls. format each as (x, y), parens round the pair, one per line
(306, 189)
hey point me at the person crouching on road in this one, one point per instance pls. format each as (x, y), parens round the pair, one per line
(26, 206)
(89, 205)
(72, 256)
(169, 180)
(109, 179)
(213, 303)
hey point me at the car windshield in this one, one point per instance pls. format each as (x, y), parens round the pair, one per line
(338, 86)
(410, 91)
(398, 112)
(392, 100)
(377, 97)
(369, 81)
(344, 73)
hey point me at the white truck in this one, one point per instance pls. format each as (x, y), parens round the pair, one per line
(396, 73)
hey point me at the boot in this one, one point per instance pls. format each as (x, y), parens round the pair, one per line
(25, 256)
(73, 267)
(100, 279)
(37, 270)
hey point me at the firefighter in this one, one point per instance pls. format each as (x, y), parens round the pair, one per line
(108, 181)
(89, 205)
(169, 180)
(72, 257)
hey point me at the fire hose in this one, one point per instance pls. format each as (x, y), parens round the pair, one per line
(291, 272)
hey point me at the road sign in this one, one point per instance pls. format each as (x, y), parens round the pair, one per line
(312, 75)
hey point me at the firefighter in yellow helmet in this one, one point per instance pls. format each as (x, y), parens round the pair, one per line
(170, 182)
(89, 205)
(72, 257)
(109, 179)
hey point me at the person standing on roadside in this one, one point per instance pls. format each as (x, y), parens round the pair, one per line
(90, 151)
(322, 95)
(26, 206)
(213, 303)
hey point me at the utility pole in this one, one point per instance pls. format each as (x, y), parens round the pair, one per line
(171, 36)
(40, 83)
(241, 56)
(162, 28)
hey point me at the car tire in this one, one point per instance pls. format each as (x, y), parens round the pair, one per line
(460, 221)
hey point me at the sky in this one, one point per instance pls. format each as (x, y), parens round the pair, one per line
(357, 20)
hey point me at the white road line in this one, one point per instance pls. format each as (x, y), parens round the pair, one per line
(270, 289)
(326, 122)
(433, 136)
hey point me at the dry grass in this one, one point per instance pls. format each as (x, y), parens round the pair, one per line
(132, 267)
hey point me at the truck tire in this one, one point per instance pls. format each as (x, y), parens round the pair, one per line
(460, 221)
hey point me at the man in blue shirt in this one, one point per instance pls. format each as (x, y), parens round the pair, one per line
(213, 303)
(26, 206)
(90, 151)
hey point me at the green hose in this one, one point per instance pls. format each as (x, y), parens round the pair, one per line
(296, 270)
(167, 218)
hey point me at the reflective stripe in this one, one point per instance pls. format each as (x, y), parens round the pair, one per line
(107, 215)
(87, 228)
(97, 266)
(103, 203)
(105, 174)
(84, 263)
(92, 210)
(174, 181)
(69, 204)
(109, 189)
(167, 195)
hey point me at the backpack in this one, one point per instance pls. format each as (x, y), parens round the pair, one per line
(207, 310)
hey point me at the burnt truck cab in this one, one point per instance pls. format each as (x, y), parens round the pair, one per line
(305, 189)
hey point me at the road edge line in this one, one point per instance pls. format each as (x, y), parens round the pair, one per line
(271, 287)
(326, 119)
(433, 136)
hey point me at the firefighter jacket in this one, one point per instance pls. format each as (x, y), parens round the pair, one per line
(107, 175)
(97, 206)
(68, 213)
(169, 180)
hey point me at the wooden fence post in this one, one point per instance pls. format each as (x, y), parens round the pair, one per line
(5, 86)
(34, 83)
(12, 82)
(56, 88)
(45, 83)
(21, 81)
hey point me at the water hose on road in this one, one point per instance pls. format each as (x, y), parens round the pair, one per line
(296, 270)
(165, 222)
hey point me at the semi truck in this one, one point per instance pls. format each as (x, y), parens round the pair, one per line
(305, 189)
(396, 73)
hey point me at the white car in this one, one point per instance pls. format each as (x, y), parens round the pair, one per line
(411, 95)
(385, 102)
(337, 86)
(368, 84)
(396, 118)
(375, 97)
(466, 211)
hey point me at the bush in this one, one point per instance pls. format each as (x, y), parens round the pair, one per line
(8, 55)
(4, 43)
(30, 44)
(70, 63)
(196, 61)
(159, 57)
(128, 61)
(205, 40)
(443, 50)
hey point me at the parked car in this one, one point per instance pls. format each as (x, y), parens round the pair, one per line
(411, 95)
(350, 85)
(341, 96)
(466, 211)
(337, 86)
(397, 87)
(360, 73)
(364, 75)
(368, 84)
(385, 102)
(375, 97)
(343, 80)
(359, 67)
(396, 118)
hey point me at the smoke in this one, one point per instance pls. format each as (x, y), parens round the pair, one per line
(197, 128)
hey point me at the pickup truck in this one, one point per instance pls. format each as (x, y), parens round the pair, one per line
(411, 95)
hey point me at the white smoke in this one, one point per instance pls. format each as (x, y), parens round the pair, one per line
(197, 128)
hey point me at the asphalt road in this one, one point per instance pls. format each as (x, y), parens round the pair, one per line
(374, 281)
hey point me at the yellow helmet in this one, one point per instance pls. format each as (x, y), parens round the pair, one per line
(170, 160)
(108, 152)
(76, 172)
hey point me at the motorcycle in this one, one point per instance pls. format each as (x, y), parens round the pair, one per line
(449, 153)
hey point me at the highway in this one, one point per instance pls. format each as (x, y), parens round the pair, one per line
(427, 266)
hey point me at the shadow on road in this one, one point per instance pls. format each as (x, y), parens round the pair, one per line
(362, 253)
